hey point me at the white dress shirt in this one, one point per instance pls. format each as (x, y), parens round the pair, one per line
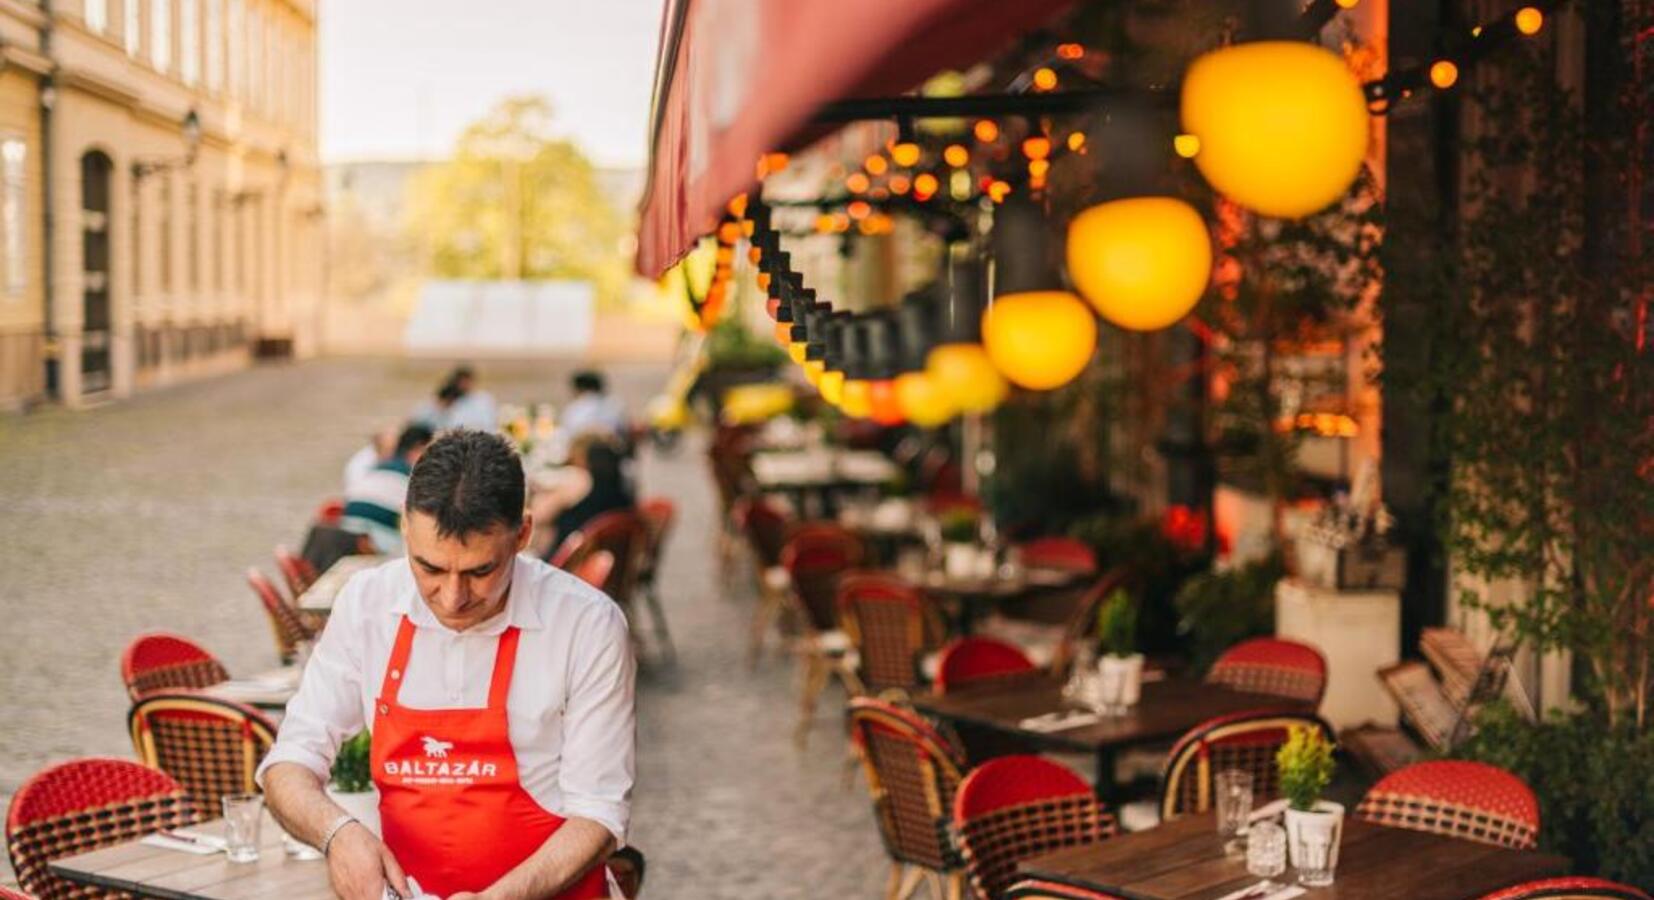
(570, 708)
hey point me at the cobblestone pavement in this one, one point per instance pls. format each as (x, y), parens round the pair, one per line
(144, 515)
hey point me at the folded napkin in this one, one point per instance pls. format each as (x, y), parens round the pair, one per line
(201, 845)
(1285, 893)
(1061, 720)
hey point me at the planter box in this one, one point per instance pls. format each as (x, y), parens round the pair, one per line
(1359, 632)
(1360, 568)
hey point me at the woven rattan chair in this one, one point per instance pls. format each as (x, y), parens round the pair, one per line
(7, 893)
(1464, 799)
(211, 746)
(913, 773)
(765, 527)
(160, 661)
(1273, 666)
(1034, 889)
(596, 569)
(570, 551)
(1082, 623)
(1247, 741)
(1015, 807)
(1573, 887)
(298, 573)
(891, 626)
(83, 805)
(1065, 553)
(658, 514)
(285, 625)
(976, 661)
(816, 557)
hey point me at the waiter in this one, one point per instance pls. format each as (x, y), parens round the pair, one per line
(499, 694)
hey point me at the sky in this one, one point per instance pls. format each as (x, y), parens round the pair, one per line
(401, 78)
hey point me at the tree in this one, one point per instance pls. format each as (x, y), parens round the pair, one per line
(515, 202)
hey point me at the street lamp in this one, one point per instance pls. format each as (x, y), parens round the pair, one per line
(191, 131)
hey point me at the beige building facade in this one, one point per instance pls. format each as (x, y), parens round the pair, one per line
(167, 195)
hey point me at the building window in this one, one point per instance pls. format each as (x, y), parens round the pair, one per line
(13, 187)
(189, 36)
(160, 34)
(215, 44)
(97, 15)
(132, 26)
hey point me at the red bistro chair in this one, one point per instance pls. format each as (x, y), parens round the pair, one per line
(1574, 887)
(1015, 807)
(595, 569)
(1069, 554)
(1034, 889)
(1273, 666)
(295, 570)
(890, 625)
(1247, 741)
(816, 557)
(980, 660)
(1460, 798)
(286, 625)
(913, 773)
(160, 661)
(83, 805)
(211, 746)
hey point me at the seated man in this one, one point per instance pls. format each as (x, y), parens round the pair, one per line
(499, 693)
(373, 503)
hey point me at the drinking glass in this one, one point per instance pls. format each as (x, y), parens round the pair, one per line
(242, 815)
(1316, 856)
(298, 849)
(1266, 853)
(1234, 805)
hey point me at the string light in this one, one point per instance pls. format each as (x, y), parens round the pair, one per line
(859, 210)
(738, 205)
(986, 130)
(1036, 147)
(899, 184)
(857, 183)
(1443, 73)
(876, 164)
(925, 185)
(1037, 168)
(1186, 145)
(1348, 4)
(905, 154)
(1070, 51)
(1529, 20)
(999, 190)
(1076, 141)
(1045, 79)
(771, 163)
(959, 185)
(956, 155)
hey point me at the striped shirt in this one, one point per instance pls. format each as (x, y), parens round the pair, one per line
(373, 504)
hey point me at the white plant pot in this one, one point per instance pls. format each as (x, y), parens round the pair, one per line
(960, 561)
(1312, 840)
(364, 805)
(1120, 680)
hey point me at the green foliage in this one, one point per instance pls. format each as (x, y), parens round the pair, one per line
(1157, 568)
(1117, 624)
(959, 525)
(352, 772)
(516, 202)
(1305, 764)
(1220, 609)
(730, 346)
(1592, 780)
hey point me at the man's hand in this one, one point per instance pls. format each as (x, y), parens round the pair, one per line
(359, 865)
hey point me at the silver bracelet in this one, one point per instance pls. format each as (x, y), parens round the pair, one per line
(334, 829)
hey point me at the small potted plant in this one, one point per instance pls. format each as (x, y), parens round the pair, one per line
(959, 529)
(352, 786)
(1120, 670)
(1313, 826)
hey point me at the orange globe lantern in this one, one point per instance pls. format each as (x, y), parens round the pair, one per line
(1039, 340)
(831, 387)
(922, 400)
(857, 398)
(1142, 262)
(965, 375)
(883, 406)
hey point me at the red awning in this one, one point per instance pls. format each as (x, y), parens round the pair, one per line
(739, 78)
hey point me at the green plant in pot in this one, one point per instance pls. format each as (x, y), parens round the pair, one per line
(1313, 826)
(352, 782)
(1120, 670)
(959, 529)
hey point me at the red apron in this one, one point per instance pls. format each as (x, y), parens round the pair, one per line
(452, 808)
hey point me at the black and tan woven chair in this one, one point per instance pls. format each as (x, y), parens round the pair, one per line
(1460, 798)
(160, 661)
(1035, 889)
(1082, 622)
(286, 626)
(1274, 666)
(1247, 741)
(1016, 807)
(211, 746)
(816, 558)
(1573, 887)
(891, 626)
(913, 773)
(83, 805)
(766, 528)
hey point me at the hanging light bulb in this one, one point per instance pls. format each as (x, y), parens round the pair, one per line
(956, 155)
(1037, 335)
(1143, 262)
(986, 130)
(1045, 79)
(905, 154)
(958, 365)
(1529, 20)
(919, 397)
(1444, 73)
(857, 183)
(876, 164)
(925, 186)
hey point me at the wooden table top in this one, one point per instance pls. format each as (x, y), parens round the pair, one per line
(818, 467)
(148, 871)
(270, 690)
(1030, 580)
(1183, 860)
(1166, 710)
(319, 596)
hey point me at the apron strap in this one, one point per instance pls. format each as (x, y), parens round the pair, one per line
(397, 669)
(505, 659)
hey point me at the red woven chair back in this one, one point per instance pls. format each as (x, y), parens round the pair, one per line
(658, 514)
(1015, 807)
(84, 805)
(1247, 741)
(1459, 798)
(979, 660)
(1573, 887)
(1066, 553)
(7, 893)
(913, 774)
(569, 552)
(816, 556)
(160, 661)
(731, 465)
(1082, 624)
(624, 534)
(295, 570)
(595, 569)
(890, 625)
(211, 746)
(1273, 666)
(285, 625)
(765, 528)
(1034, 889)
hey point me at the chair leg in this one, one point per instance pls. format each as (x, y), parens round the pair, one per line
(893, 884)
(762, 616)
(933, 880)
(910, 882)
(956, 886)
(651, 596)
(816, 674)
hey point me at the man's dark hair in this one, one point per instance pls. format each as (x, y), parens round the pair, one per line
(449, 392)
(414, 436)
(588, 382)
(469, 481)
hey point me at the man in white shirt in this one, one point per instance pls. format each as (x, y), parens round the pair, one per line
(592, 411)
(499, 692)
(475, 407)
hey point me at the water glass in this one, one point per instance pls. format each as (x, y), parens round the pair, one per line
(1266, 852)
(242, 815)
(298, 849)
(1234, 804)
(1316, 856)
